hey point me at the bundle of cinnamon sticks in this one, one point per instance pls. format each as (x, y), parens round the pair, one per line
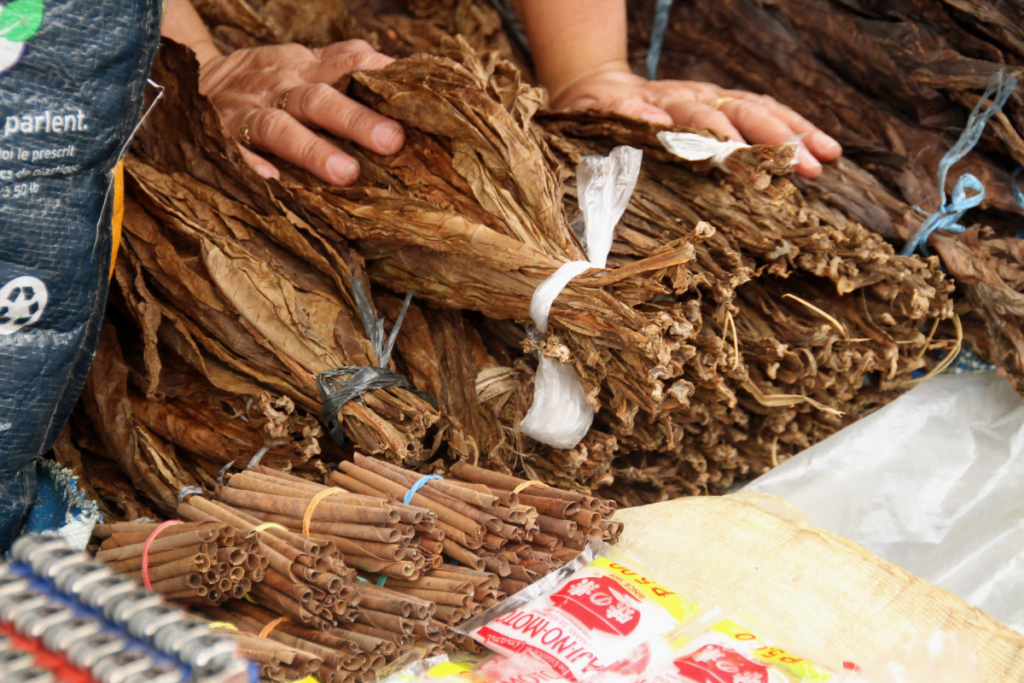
(200, 562)
(352, 575)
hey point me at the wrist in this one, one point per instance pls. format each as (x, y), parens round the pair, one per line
(206, 51)
(557, 87)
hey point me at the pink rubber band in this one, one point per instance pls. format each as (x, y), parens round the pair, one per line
(145, 550)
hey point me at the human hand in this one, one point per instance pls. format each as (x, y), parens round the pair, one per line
(738, 115)
(269, 97)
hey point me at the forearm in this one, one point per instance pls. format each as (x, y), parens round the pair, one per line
(572, 38)
(183, 25)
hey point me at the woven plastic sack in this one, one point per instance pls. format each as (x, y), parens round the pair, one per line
(72, 79)
(823, 591)
(932, 482)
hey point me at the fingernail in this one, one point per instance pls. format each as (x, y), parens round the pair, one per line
(808, 159)
(384, 135)
(266, 170)
(343, 170)
(826, 142)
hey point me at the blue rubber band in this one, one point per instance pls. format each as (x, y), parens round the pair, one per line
(417, 486)
(255, 460)
(455, 563)
(658, 28)
(359, 578)
(948, 215)
(381, 579)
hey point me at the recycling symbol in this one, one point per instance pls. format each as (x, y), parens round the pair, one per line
(22, 302)
(19, 22)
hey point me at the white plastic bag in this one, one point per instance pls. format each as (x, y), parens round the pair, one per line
(560, 415)
(933, 482)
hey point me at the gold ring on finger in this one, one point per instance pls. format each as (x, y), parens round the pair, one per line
(282, 101)
(243, 133)
(720, 101)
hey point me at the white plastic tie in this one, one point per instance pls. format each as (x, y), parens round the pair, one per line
(561, 415)
(693, 147)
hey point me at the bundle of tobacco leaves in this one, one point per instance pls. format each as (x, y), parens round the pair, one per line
(741, 318)
(894, 83)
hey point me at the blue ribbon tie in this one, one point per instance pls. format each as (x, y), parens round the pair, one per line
(417, 486)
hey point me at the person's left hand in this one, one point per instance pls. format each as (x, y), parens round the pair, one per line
(735, 114)
(269, 97)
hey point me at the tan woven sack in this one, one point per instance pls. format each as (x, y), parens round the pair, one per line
(829, 592)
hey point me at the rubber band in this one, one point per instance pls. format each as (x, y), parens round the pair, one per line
(223, 624)
(307, 517)
(271, 626)
(359, 578)
(420, 483)
(381, 579)
(145, 551)
(270, 525)
(248, 598)
(527, 484)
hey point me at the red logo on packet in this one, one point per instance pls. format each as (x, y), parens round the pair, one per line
(599, 603)
(715, 664)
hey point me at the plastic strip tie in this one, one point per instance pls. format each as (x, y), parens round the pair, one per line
(145, 551)
(223, 471)
(270, 626)
(949, 214)
(270, 525)
(658, 28)
(527, 484)
(307, 517)
(561, 415)
(693, 147)
(254, 461)
(1018, 195)
(336, 393)
(188, 491)
(420, 483)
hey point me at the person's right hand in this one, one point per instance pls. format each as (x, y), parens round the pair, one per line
(269, 97)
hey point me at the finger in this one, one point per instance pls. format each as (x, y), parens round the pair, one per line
(759, 125)
(261, 165)
(343, 47)
(276, 132)
(627, 106)
(323, 106)
(700, 115)
(821, 145)
(331, 69)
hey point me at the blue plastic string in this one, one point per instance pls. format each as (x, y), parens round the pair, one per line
(1018, 195)
(417, 486)
(948, 215)
(223, 471)
(658, 28)
(188, 490)
(255, 460)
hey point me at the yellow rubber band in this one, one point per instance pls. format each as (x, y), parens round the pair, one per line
(528, 484)
(271, 626)
(270, 525)
(248, 598)
(307, 518)
(223, 624)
